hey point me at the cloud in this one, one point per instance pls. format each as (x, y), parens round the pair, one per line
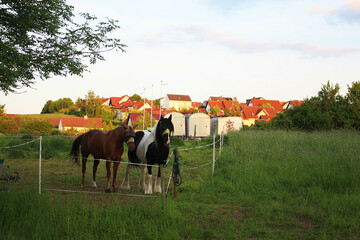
(348, 12)
(200, 33)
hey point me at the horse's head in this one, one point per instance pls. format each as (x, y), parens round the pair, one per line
(129, 135)
(163, 130)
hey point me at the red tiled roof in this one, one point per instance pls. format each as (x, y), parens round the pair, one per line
(124, 106)
(12, 116)
(296, 102)
(54, 121)
(242, 105)
(196, 104)
(116, 100)
(253, 111)
(104, 100)
(81, 122)
(220, 98)
(177, 97)
(230, 104)
(216, 103)
(274, 103)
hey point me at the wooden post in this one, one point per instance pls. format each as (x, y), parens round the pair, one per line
(175, 169)
(174, 180)
(162, 188)
(40, 166)
(213, 166)
(220, 143)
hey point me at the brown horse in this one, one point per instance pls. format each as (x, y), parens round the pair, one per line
(108, 146)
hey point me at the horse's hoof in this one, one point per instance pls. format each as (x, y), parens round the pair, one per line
(125, 187)
(107, 190)
(115, 189)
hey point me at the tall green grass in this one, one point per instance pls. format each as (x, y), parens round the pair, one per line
(293, 183)
(28, 215)
(266, 185)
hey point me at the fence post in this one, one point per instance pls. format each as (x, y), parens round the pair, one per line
(162, 188)
(220, 145)
(213, 166)
(222, 141)
(40, 166)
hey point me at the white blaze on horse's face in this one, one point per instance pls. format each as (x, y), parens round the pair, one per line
(167, 133)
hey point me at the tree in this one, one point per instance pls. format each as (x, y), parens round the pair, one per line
(139, 121)
(328, 94)
(353, 95)
(55, 106)
(215, 110)
(7, 126)
(106, 113)
(40, 39)
(136, 97)
(92, 104)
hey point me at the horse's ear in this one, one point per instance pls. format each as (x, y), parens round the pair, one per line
(127, 121)
(161, 117)
(135, 126)
(170, 117)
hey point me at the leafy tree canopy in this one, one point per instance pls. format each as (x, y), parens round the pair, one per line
(38, 38)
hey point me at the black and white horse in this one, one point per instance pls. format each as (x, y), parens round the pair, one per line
(150, 148)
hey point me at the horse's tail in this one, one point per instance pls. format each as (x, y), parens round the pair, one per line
(74, 153)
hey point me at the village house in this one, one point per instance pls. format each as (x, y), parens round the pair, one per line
(253, 113)
(293, 103)
(177, 102)
(261, 102)
(79, 124)
(221, 98)
(117, 100)
(226, 106)
(105, 101)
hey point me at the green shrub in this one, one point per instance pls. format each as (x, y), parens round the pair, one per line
(177, 141)
(38, 126)
(55, 132)
(30, 150)
(8, 126)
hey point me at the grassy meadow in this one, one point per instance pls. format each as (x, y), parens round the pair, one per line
(266, 185)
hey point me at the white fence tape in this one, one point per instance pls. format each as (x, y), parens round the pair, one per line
(19, 145)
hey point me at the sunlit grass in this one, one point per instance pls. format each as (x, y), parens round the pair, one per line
(266, 185)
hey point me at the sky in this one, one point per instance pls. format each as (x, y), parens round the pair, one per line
(275, 49)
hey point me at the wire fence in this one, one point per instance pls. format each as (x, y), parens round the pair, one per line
(13, 146)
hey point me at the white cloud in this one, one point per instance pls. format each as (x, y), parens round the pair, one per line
(200, 33)
(349, 11)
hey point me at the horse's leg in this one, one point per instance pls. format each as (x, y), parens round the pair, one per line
(96, 163)
(148, 188)
(142, 178)
(84, 159)
(108, 175)
(125, 184)
(157, 187)
(115, 168)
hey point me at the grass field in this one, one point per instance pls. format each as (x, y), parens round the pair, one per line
(266, 185)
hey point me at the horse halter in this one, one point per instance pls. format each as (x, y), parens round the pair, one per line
(129, 138)
(167, 132)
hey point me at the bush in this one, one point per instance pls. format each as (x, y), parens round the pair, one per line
(177, 141)
(57, 147)
(38, 126)
(8, 126)
(55, 132)
(30, 150)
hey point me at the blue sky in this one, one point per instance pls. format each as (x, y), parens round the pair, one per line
(277, 49)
